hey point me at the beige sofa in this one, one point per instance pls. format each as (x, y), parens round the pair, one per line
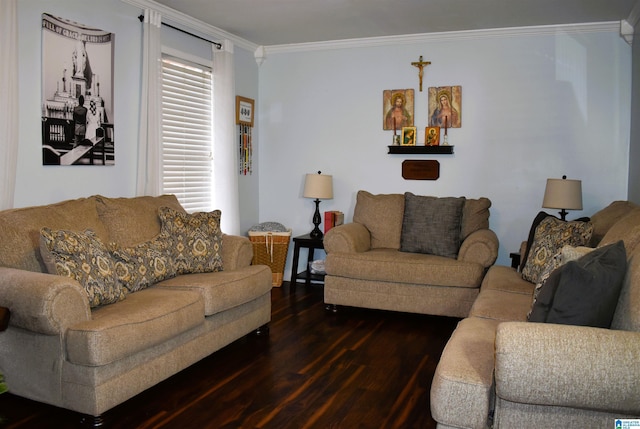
(370, 264)
(499, 370)
(58, 350)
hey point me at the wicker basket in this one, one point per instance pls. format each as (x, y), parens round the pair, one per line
(270, 248)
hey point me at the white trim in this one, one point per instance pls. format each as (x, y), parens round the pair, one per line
(626, 31)
(613, 26)
(634, 15)
(192, 23)
(262, 52)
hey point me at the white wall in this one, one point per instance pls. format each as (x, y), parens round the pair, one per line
(534, 106)
(37, 184)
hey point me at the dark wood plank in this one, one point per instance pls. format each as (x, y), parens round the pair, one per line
(357, 368)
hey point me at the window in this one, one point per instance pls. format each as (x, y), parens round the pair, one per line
(187, 134)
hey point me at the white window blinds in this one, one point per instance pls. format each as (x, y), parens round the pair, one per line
(187, 133)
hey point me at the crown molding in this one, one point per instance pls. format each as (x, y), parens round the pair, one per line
(542, 30)
(192, 23)
(634, 15)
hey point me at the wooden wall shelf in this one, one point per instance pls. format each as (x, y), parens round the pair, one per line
(413, 150)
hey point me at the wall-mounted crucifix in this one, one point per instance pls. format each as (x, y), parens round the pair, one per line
(421, 65)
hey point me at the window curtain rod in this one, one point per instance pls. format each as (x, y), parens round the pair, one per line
(216, 44)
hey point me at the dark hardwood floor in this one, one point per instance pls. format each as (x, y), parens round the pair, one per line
(314, 369)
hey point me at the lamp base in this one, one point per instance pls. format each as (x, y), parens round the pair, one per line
(563, 214)
(316, 233)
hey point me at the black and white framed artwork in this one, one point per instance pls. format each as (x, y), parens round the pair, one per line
(77, 94)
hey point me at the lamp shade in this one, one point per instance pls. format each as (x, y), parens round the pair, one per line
(318, 186)
(563, 194)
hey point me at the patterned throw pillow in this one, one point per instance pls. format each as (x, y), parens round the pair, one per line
(82, 256)
(145, 264)
(549, 237)
(197, 240)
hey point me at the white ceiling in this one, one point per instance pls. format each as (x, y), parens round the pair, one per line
(279, 22)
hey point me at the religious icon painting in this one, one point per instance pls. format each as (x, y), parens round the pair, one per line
(432, 136)
(77, 93)
(409, 136)
(445, 106)
(397, 109)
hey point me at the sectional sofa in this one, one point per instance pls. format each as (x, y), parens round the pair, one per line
(576, 366)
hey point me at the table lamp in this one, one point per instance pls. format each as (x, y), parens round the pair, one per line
(564, 194)
(318, 186)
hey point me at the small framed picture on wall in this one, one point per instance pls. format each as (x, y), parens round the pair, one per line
(408, 136)
(244, 110)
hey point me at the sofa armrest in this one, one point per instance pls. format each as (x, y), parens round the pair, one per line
(568, 366)
(237, 252)
(43, 303)
(348, 237)
(480, 246)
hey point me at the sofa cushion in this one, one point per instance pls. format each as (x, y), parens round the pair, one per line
(627, 229)
(130, 221)
(225, 289)
(20, 244)
(502, 277)
(550, 236)
(196, 240)
(145, 264)
(627, 315)
(431, 225)
(388, 265)
(607, 217)
(145, 319)
(501, 305)
(382, 215)
(585, 291)
(475, 216)
(82, 256)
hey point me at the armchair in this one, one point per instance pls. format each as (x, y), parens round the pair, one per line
(409, 253)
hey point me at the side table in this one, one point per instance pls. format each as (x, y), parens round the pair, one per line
(305, 241)
(515, 259)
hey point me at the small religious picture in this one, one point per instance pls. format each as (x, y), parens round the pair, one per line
(397, 108)
(408, 136)
(432, 136)
(77, 93)
(445, 106)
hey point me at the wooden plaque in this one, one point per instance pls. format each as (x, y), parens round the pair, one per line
(421, 169)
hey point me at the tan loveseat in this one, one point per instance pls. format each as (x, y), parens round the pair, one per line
(58, 350)
(499, 370)
(368, 266)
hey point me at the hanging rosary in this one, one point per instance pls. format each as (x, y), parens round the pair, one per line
(244, 119)
(246, 149)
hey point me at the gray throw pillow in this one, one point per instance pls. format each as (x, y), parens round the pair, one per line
(585, 291)
(431, 225)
